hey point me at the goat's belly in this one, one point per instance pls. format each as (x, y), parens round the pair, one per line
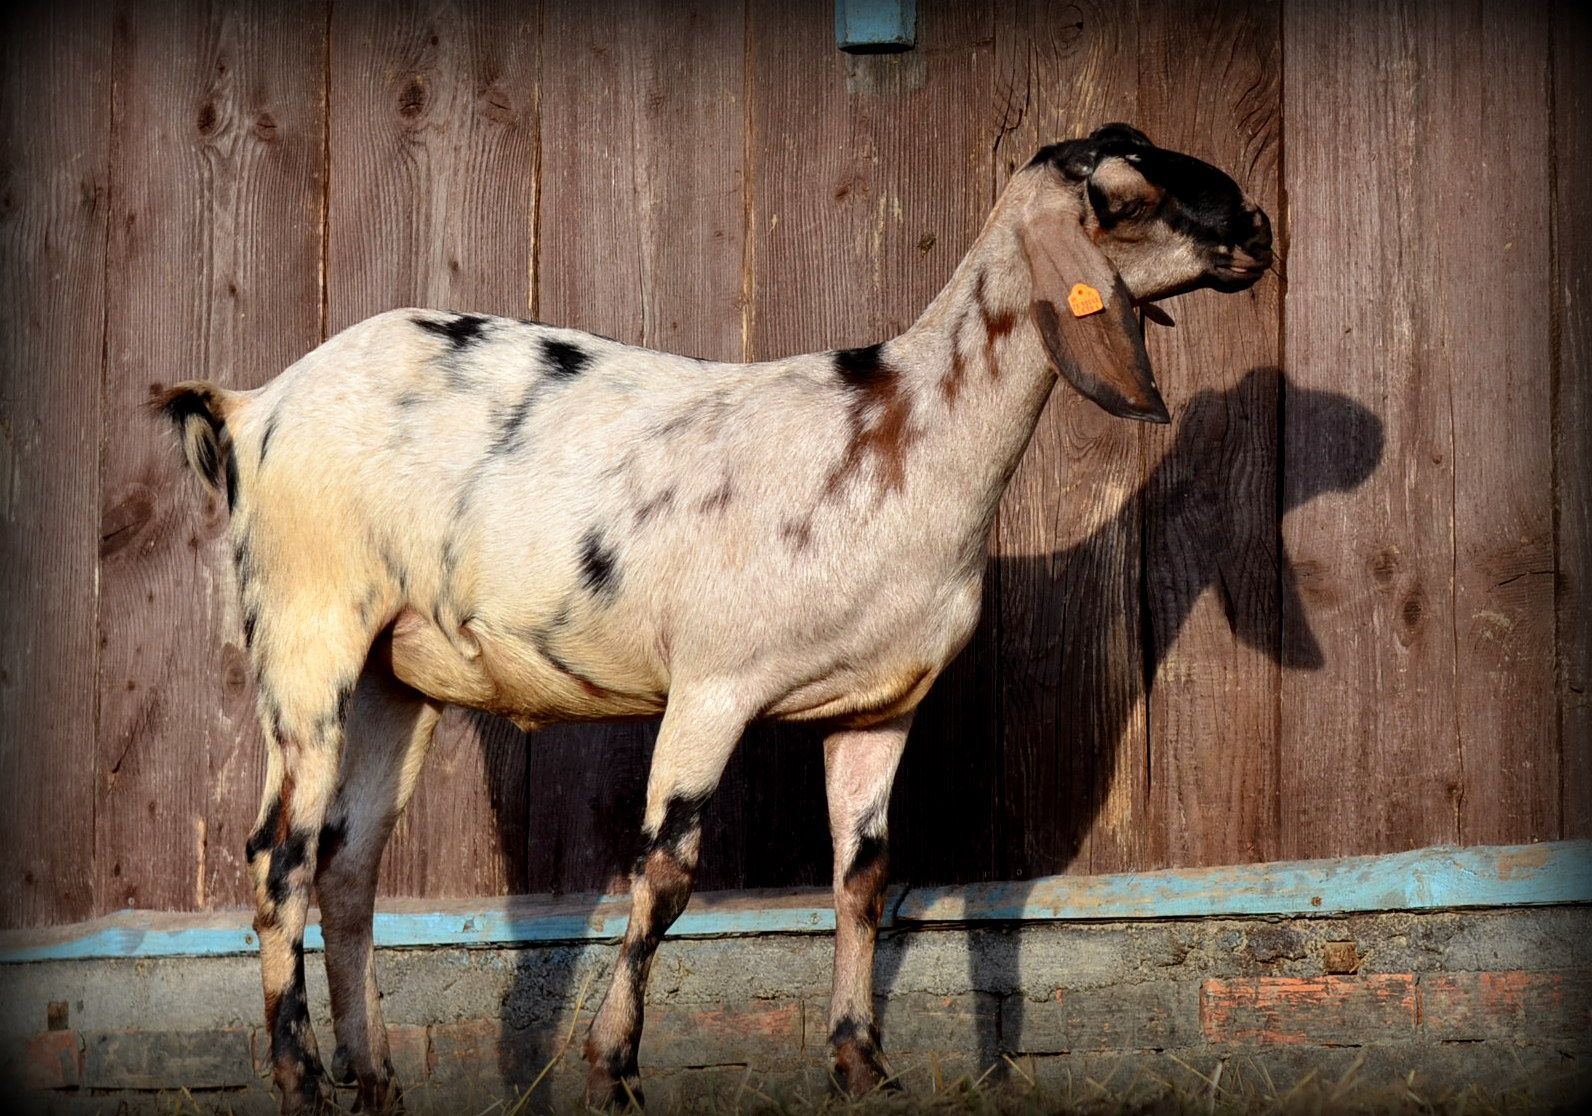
(858, 698)
(480, 669)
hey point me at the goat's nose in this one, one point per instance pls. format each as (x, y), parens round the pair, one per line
(1261, 241)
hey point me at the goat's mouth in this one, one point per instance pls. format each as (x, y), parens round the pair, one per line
(1234, 271)
(1232, 277)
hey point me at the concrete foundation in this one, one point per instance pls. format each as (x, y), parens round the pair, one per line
(1494, 1000)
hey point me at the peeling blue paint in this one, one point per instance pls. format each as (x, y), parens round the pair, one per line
(1424, 879)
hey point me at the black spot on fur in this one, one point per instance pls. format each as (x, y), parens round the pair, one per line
(260, 840)
(231, 469)
(542, 640)
(251, 622)
(659, 504)
(333, 836)
(682, 816)
(850, 1030)
(460, 330)
(564, 360)
(869, 857)
(209, 453)
(862, 367)
(598, 570)
(243, 562)
(265, 436)
(511, 429)
(345, 695)
(286, 858)
(292, 1017)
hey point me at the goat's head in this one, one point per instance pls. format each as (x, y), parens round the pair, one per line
(1128, 222)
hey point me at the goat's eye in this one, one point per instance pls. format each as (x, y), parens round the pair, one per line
(1127, 209)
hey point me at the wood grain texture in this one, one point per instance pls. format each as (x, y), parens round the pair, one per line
(54, 177)
(1074, 785)
(1210, 83)
(433, 117)
(871, 176)
(641, 238)
(213, 267)
(1341, 610)
(1369, 743)
(1492, 323)
(1572, 435)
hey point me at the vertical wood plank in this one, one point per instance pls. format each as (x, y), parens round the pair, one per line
(1572, 443)
(871, 177)
(1074, 793)
(433, 139)
(213, 274)
(55, 125)
(1493, 323)
(642, 237)
(1369, 743)
(1210, 85)
(271, 269)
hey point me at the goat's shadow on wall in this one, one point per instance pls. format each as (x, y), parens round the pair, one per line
(1205, 519)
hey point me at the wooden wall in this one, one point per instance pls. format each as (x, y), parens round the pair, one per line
(1341, 605)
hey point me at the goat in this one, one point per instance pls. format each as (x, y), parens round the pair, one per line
(549, 525)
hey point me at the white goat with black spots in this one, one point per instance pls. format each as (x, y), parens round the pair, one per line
(434, 508)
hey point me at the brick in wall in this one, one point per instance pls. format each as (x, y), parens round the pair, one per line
(1329, 1010)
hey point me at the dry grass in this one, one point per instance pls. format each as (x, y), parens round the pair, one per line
(1232, 1086)
(1143, 1094)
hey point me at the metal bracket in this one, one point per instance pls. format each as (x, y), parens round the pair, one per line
(876, 26)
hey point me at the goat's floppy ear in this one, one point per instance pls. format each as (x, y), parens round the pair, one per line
(1099, 351)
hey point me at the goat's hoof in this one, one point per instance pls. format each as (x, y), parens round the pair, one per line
(860, 1070)
(379, 1098)
(609, 1093)
(313, 1095)
(342, 1067)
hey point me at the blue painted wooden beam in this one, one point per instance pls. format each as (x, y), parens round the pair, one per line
(876, 26)
(1425, 879)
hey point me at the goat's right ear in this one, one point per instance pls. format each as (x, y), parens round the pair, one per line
(1100, 352)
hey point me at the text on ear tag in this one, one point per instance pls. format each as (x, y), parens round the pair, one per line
(1084, 300)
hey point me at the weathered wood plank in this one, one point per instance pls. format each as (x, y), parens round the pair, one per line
(1572, 296)
(1426, 879)
(55, 126)
(1073, 790)
(1491, 321)
(432, 196)
(1210, 84)
(213, 271)
(276, 111)
(642, 238)
(1369, 741)
(870, 178)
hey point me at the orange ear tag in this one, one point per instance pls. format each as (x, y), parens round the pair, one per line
(1084, 300)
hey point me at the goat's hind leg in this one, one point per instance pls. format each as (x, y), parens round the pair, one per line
(859, 769)
(388, 733)
(307, 660)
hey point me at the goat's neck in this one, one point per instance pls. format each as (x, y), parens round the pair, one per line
(980, 377)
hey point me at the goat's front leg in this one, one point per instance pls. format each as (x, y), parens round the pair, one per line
(698, 734)
(859, 768)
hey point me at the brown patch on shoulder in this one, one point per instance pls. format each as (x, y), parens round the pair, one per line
(879, 417)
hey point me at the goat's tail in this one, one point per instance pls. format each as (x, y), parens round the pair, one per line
(199, 411)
